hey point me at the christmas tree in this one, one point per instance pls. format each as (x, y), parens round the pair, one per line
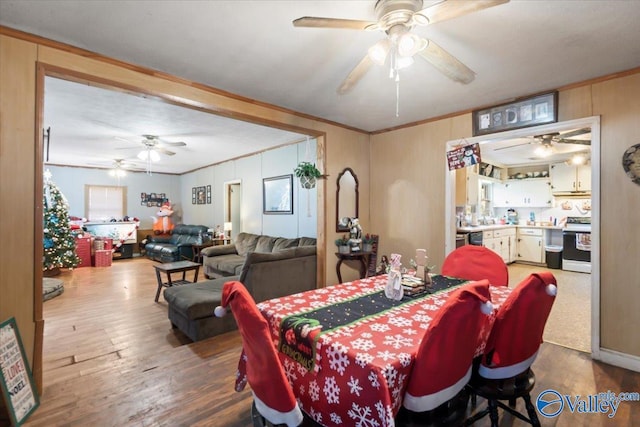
(59, 242)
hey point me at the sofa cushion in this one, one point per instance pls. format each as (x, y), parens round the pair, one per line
(227, 264)
(245, 243)
(282, 243)
(265, 244)
(307, 241)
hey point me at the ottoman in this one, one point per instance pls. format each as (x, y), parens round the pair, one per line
(190, 308)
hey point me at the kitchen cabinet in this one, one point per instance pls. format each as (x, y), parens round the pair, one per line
(530, 193)
(570, 178)
(467, 186)
(502, 242)
(530, 245)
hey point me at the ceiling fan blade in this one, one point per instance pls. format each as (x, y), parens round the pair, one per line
(173, 144)
(573, 141)
(452, 9)
(447, 64)
(355, 75)
(164, 151)
(348, 24)
(577, 132)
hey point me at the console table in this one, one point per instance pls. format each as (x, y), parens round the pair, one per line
(363, 257)
(175, 267)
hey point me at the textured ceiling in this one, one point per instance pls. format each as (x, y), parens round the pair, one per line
(252, 49)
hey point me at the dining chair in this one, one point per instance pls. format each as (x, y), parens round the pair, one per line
(504, 370)
(273, 397)
(476, 263)
(436, 393)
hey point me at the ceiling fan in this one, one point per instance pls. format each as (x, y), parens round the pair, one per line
(397, 18)
(118, 166)
(577, 136)
(153, 144)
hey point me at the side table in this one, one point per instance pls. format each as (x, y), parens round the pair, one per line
(196, 248)
(363, 257)
(175, 267)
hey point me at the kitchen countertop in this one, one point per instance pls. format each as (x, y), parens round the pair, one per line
(470, 229)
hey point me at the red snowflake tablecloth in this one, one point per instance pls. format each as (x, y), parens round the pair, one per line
(361, 369)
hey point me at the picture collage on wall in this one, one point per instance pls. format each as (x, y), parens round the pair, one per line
(201, 195)
(153, 199)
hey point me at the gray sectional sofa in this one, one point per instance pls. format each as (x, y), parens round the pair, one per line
(269, 267)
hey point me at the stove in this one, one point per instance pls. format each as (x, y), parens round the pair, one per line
(578, 223)
(576, 237)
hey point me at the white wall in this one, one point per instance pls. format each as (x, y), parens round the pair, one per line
(250, 171)
(71, 182)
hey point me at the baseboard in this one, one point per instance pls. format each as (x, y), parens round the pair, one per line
(621, 360)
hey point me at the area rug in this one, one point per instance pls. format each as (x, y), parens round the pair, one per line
(51, 288)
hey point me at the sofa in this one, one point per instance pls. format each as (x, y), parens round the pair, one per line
(177, 245)
(228, 260)
(266, 275)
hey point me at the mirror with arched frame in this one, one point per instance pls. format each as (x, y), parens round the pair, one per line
(346, 198)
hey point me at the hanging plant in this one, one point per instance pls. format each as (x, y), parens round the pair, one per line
(308, 174)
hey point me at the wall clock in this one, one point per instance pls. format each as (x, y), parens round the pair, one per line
(631, 163)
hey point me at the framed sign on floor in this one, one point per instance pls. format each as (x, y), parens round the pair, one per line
(18, 389)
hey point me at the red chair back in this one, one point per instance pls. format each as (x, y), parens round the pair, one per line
(517, 331)
(445, 356)
(476, 263)
(273, 396)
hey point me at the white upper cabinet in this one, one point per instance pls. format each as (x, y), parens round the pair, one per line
(570, 179)
(534, 192)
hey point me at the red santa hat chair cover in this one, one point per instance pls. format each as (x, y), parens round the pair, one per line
(445, 357)
(504, 372)
(476, 263)
(273, 396)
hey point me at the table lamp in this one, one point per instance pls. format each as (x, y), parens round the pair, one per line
(228, 227)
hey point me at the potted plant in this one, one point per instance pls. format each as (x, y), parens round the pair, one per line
(367, 243)
(343, 244)
(308, 174)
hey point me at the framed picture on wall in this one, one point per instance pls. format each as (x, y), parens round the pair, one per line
(277, 195)
(208, 194)
(201, 195)
(193, 195)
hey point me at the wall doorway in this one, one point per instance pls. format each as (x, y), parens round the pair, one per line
(594, 124)
(233, 206)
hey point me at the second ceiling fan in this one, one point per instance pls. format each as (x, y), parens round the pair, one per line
(397, 18)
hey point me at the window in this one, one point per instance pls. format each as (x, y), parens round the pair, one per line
(104, 202)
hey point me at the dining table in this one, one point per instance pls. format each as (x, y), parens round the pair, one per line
(348, 350)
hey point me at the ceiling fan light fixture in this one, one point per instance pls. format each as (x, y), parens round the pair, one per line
(147, 155)
(404, 62)
(117, 172)
(419, 19)
(578, 159)
(379, 51)
(409, 44)
(545, 150)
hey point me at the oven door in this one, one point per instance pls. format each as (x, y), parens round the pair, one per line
(576, 245)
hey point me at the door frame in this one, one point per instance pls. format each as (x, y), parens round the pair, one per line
(594, 123)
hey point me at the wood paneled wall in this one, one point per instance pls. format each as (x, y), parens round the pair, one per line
(407, 205)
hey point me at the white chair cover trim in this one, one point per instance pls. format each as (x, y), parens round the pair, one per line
(292, 418)
(506, 371)
(432, 401)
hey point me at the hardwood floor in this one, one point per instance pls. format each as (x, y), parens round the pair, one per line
(112, 359)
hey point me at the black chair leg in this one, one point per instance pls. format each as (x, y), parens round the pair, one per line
(493, 412)
(474, 399)
(512, 402)
(533, 416)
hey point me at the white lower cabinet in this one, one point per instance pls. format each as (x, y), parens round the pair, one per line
(502, 242)
(530, 247)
